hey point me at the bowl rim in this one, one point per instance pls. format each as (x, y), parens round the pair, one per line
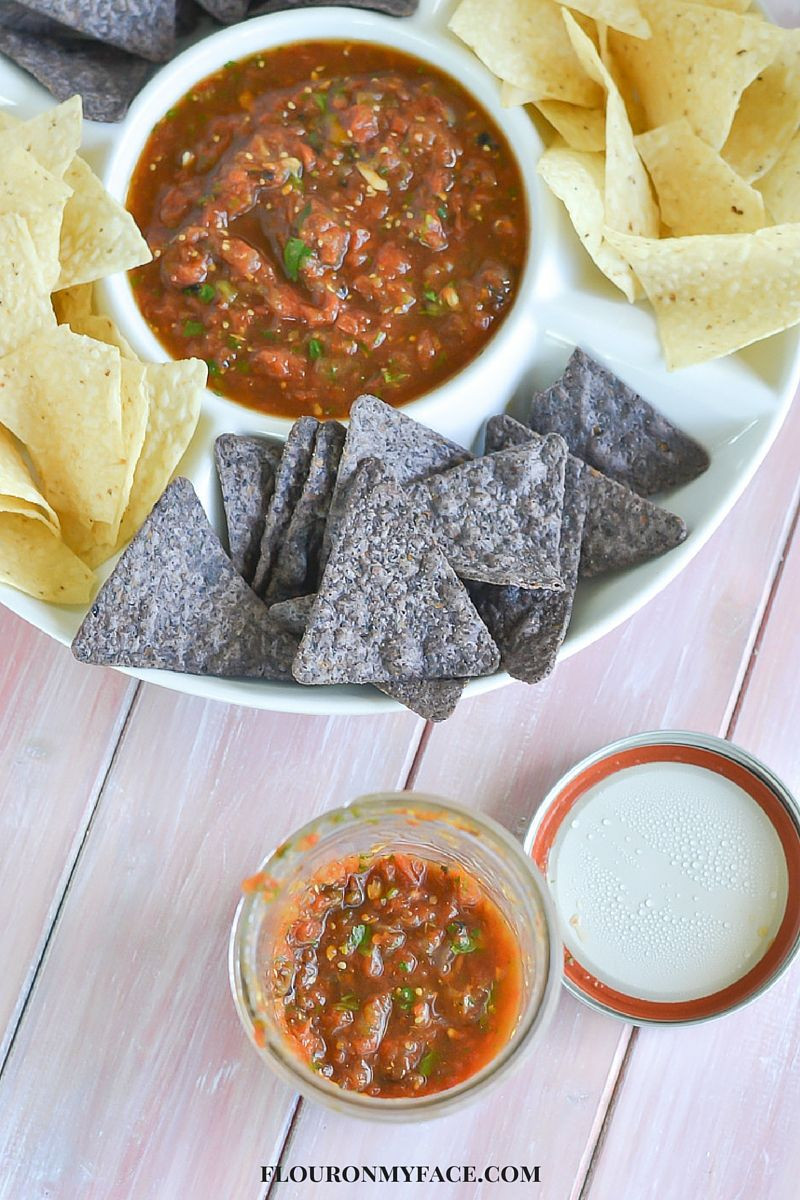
(418, 36)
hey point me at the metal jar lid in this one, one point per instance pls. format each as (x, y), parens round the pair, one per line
(673, 861)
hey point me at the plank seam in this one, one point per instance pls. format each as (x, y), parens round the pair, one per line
(112, 758)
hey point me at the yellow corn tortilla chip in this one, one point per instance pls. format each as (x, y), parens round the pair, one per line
(174, 392)
(96, 541)
(625, 15)
(53, 137)
(780, 187)
(102, 329)
(697, 191)
(25, 306)
(73, 303)
(16, 485)
(737, 6)
(60, 395)
(713, 294)
(34, 559)
(524, 43)
(578, 179)
(768, 115)
(581, 128)
(31, 192)
(98, 236)
(696, 65)
(629, 204)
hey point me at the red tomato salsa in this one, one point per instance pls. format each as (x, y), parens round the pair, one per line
(327, 219)
(396, 976)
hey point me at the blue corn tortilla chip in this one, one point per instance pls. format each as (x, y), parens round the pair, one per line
(296, 569)
(246, 468)
(392, 8)
(613, 429)
(390, 608)
(409, 450)
(143, 27)
(432, 699)
(530, 626)
(174, 601)
(226, 11)
(499, 517)
(623, 529)
(106, 78)
(289, 480)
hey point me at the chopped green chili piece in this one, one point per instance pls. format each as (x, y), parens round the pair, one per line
(213, 367)
(315, 349)
(431, 295)
(193, 328)
(427, 1063)
(321, 101)
(390, 375)
(405, 967)
(348, 1003)
(355, 937)
(442, 211)
(206, 292)
(461, 940)
(405, 997)
(295, 253)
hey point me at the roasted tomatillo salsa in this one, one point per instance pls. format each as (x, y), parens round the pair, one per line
(396, 976)
(327, 219)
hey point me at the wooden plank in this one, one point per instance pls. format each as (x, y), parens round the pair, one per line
(677, 663)
(713, 1110)
(59, 724)
(130, 1074)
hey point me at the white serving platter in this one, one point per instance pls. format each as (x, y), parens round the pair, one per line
(735, 406)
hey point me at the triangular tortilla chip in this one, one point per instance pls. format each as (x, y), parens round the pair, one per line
(529, 627)
(524, 42)
(53, 137)
(289, 480)
(714, 294)
(297, 564)
(768, 114)
(625, 15)
(431, 699)
(614, 429)
(499, 517)
(16, 484)
(780, 187)
(25, 306)
(34, 559)
(581, 128)
(697, 63)
(174, 391)
(60, 395)
(390, 607)
(98, 236)
(578, 179)
(175, 602)
(246, 467)
(623, 529)
(629, 204)
(698, 192)
(409, 450)
(31, 192)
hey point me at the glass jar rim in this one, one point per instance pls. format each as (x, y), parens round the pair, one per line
(365, 809)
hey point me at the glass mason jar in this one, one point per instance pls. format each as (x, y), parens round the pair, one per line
(430, 828)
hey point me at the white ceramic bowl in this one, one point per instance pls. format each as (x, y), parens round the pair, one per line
(461, 401)
(734, 406)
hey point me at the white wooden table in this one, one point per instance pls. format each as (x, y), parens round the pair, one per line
(129, 815)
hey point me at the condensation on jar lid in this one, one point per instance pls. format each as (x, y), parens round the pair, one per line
(673, 861)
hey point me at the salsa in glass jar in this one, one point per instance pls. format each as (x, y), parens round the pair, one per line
(396, 975)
